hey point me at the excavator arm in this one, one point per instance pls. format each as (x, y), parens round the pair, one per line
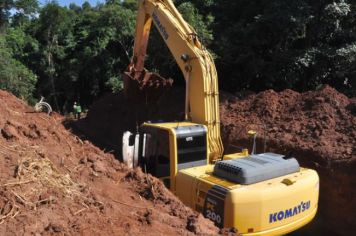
(195, 62)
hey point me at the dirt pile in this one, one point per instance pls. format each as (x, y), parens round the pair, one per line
(52, 182)
(317, 127)
(319, 122)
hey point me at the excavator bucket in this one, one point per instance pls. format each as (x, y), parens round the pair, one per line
(145, 86)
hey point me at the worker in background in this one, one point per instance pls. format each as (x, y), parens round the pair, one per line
(77, 110)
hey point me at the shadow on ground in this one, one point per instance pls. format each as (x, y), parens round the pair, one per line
(79, 128)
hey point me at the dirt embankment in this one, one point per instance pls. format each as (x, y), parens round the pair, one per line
(52, 182)
(321, 122)
(318, 127)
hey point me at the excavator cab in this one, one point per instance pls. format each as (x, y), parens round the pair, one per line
(166, 148)
(154, 152)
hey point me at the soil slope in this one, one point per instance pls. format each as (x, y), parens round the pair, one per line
(52, 182)
(317, 127)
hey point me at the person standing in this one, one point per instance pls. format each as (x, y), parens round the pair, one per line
(77, 110)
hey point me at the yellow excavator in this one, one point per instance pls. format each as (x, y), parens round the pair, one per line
(258, 194)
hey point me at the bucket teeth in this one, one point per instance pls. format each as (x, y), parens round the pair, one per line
(145, 86)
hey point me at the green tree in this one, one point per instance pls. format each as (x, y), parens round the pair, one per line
(284, 44)
(54, 33)
(82, 51)
(25, 10)
(104, 37)
(5, 7)
(14, 76)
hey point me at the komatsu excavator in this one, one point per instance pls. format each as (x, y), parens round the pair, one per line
(258, 194)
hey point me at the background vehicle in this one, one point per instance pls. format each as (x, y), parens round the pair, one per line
(259, 194)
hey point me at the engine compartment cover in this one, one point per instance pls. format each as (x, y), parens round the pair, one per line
(255, 168)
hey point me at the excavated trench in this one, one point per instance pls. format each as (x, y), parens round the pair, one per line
(317, 127)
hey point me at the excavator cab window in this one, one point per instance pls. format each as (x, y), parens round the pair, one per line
(154, 153)
(132, 139)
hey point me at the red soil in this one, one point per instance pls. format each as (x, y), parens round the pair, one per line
(320, 122)
(52, 182)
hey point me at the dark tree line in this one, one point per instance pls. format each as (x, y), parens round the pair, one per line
(77, 53)
(297, 44)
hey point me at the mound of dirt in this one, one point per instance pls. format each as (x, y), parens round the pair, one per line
(52, 182)
(317, 127)
(319, 122)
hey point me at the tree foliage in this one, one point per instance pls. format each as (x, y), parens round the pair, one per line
(77, 53)
(285, 44)
(15, 76)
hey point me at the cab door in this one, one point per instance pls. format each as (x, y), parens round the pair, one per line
(154, 154)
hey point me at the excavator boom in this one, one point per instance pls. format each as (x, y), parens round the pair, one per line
(195, 62)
